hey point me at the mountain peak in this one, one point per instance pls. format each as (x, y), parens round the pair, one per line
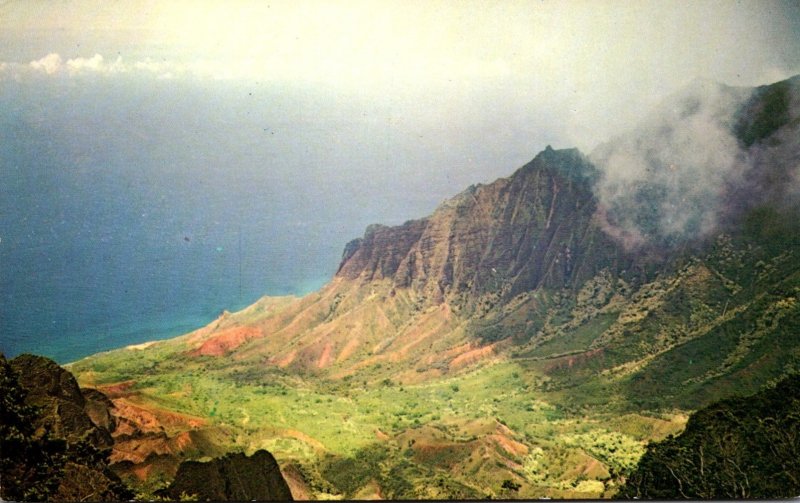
(512, 235)
(568, 161)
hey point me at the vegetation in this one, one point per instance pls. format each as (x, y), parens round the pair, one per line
(403, 438)
(587, 379)
(736, 448)
(767, 112)
(547, 415)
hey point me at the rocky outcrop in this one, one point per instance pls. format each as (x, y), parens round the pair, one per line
(99, 409)
(50, 448)
(535, 228)
(234, 477)
(55, 440)
(64, 410)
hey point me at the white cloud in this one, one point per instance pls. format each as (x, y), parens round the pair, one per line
(585, 67)
(95, 64)
(49, 64)
(53, 64)
(595, 65)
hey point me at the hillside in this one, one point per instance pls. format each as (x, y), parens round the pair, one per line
(742, 447)
(527, 339)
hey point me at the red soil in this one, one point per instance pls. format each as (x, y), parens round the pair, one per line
(227, 340)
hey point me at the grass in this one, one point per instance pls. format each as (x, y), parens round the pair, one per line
(575, 340)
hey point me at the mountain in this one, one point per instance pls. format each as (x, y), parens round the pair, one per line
(400, 290)
(532, 230)
(527, 339)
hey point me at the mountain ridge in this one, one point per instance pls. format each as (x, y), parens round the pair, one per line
(486, 230)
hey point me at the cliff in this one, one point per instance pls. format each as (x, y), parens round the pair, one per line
(537, 228)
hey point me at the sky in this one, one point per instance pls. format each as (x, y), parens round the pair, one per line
(588, 68)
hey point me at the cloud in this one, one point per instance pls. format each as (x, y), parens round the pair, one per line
(780, 157)
(54, 65)
(593, 65)
(95, 64)
(49, 64)
(665, 181)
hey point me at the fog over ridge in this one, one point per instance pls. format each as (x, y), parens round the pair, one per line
(672, 177)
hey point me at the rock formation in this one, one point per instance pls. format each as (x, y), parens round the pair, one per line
(234, 477)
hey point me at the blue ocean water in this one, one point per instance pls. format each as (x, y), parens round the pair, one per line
(134, 209)
(131, 213)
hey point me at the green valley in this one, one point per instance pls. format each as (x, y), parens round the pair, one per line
(478, 428)
(563, 409)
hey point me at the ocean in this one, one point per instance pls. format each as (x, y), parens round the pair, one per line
(139, 211)
(134, 209)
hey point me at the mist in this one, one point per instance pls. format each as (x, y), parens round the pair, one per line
(664, 181)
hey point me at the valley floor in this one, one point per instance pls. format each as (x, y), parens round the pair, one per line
(490, 431)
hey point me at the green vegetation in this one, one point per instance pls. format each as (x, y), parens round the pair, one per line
(617, 451)
(334, 428)
(587, 379)
(545, 376)
(767, 112)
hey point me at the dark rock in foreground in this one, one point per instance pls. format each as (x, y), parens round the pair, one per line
(50, 448)
(234, 477)
(64, 410)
